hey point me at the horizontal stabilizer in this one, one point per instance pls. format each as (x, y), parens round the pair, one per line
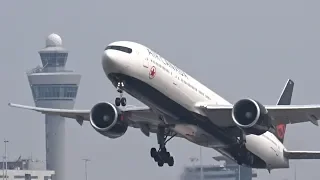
(302, 154)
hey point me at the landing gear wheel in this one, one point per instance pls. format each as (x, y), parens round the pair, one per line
(160, 163)
(156, 158)
(167, 155)
(164, 155)
(117, 101)
(171, 161)
(153, 152)
(123, 101)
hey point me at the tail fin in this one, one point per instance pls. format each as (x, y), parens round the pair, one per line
(284, 99)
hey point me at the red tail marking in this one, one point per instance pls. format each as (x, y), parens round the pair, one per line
(281, 130)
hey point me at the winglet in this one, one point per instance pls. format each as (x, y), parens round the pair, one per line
(20, 106)
(25, 107)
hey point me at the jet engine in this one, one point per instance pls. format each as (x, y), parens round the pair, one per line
(251, 116)
(106, 119)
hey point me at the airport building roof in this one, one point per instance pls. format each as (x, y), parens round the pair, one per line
(25, 169)
(227, 170)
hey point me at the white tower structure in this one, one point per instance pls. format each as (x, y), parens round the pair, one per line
(54, 87)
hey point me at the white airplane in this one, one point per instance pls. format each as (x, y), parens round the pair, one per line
(177, 105)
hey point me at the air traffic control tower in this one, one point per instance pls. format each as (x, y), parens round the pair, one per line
(53, 86)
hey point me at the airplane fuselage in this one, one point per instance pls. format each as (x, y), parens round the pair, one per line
(173, 94)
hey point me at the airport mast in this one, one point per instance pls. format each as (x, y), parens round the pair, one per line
(54, 87)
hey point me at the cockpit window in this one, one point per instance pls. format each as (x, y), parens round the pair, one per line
(120, 48)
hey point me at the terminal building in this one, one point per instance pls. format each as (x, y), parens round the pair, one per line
(25, 169)
(53, 86)
(229, 170)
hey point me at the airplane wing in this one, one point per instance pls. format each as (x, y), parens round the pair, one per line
(302, 154)
(282, 114)
(68, 113)
(137, 117)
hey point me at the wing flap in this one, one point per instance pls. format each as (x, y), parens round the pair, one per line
(302, 154)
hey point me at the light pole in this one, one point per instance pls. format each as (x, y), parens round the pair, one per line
(5, 156)
(193, 160)
(295, 172)
(85, 167)
(201, 171)
(3, 167)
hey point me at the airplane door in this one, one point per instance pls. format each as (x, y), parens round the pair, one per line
(146, 62)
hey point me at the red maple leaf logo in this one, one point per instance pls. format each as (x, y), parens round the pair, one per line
(281, 128)
(152, 72)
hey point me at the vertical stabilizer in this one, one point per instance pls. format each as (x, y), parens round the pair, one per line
(284, 99)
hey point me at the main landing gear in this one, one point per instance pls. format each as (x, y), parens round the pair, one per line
(242, 140)
(243, 155)
(161, 155)
(120, 100)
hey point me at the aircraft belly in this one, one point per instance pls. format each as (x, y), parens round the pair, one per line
(216, 118)
(156, 99)
(197, 135)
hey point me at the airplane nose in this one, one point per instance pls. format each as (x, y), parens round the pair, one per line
(110, 61)
(107, 57)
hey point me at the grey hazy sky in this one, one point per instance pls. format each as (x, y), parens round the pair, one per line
(237, 48)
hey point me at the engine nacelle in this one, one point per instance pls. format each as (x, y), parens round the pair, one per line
(106, 119)
(251, 116)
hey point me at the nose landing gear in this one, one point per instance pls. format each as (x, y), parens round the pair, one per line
(120, 100)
